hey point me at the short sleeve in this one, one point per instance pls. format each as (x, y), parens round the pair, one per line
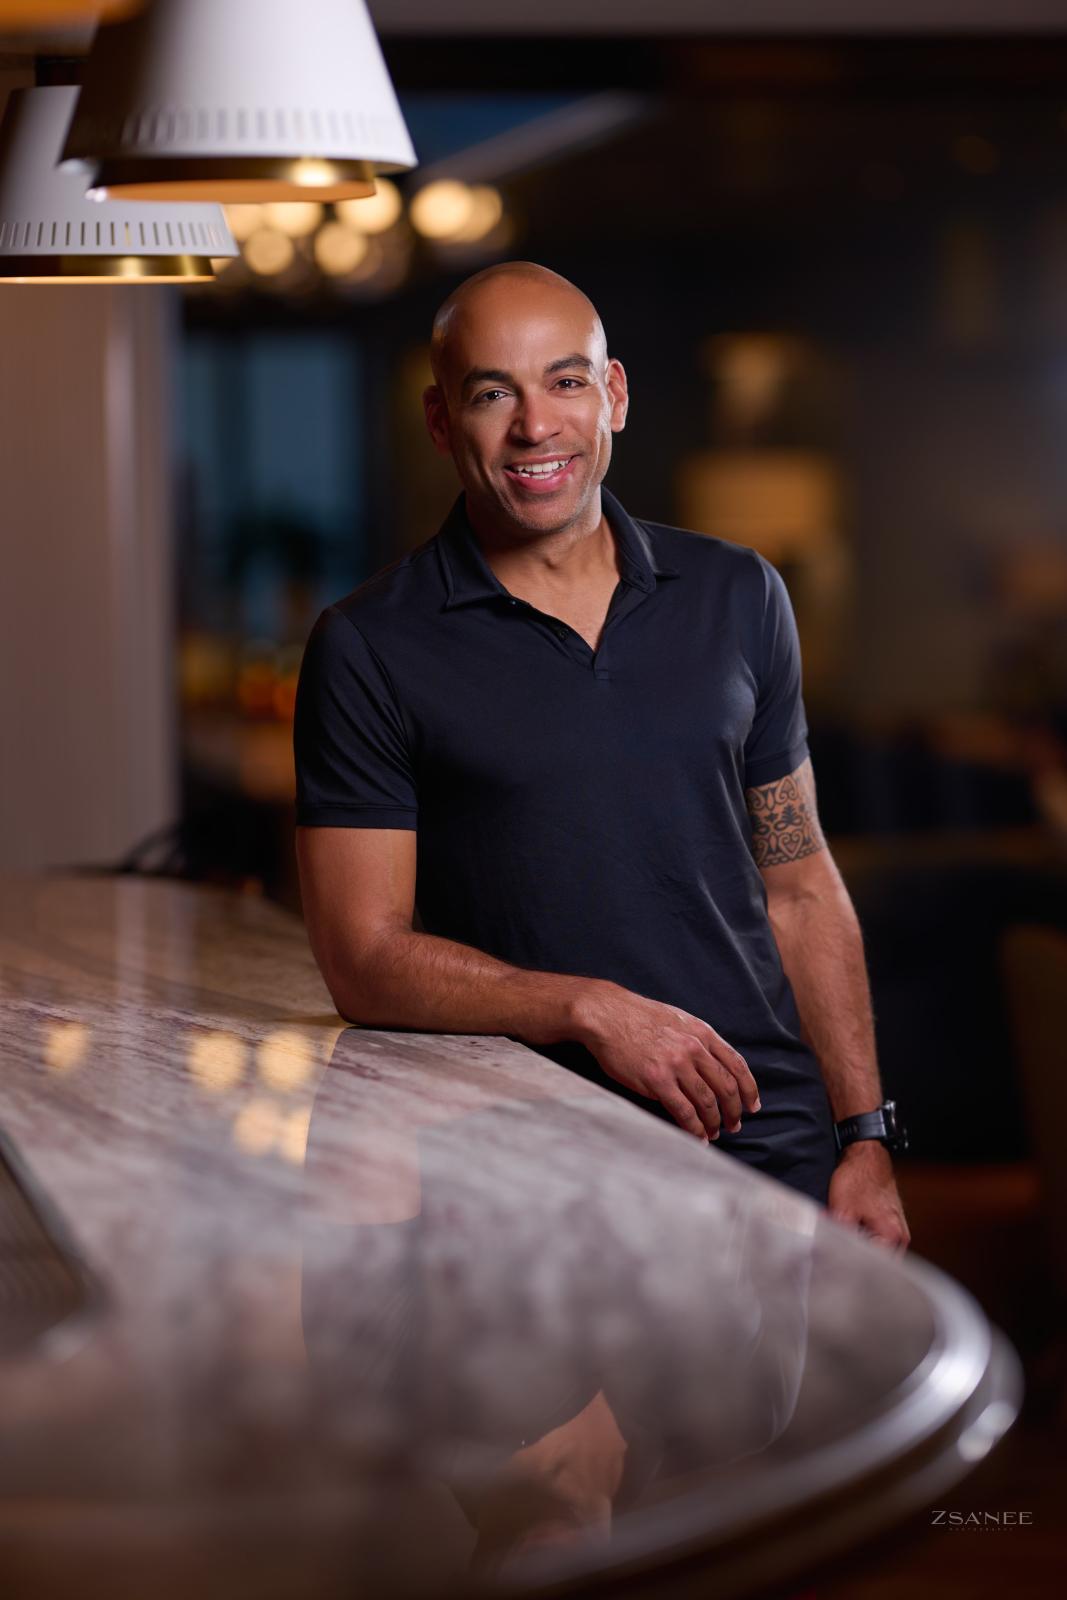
(353, 767)
(777, 742)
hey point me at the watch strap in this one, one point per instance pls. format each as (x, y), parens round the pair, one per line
(881, 1124)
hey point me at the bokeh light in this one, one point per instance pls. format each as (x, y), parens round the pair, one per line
(65, 1046)
(297, 218)
(269, 252)
(292, 1137)
(375, 214)
(442, 209)
(314, 174)
(243, 221)
(486, 211)
(216, 1060)
(284, 1059)
(258, 1125)
(339, 249)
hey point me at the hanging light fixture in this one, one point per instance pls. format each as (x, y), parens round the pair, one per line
(51, 231)
(239, 100)
(44, 12)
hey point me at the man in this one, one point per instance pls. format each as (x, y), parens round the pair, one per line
(578, 742)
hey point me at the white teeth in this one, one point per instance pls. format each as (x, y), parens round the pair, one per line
(544, 470)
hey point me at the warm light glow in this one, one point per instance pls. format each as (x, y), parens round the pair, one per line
(311, 174)
(268, 251)
(205, 669)
(18, 11)
(65, 1046)
(378, 268)
(293, 1135)
(264, 1125)
(750, 371)
(375, 214)
(442, 209)
(284, 1060)
(229, 180)
(294, 217)
(284, 698)
(216, 1061)
(255, 687)
(783, 503)
(339, 250)
(257, 1126)
(109, 269)
(486, 210)
(244, 220)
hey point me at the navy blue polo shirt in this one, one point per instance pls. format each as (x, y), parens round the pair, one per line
(583, 811)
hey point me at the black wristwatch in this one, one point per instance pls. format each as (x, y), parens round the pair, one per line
(882, 1124)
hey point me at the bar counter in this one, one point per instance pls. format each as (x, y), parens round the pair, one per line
(289, 1308)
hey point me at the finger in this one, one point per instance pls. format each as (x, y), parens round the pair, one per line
(888, 1229)
(734, 1063)
(883, 1231)
(684, 1114)
(724, 1087)
(898, 1236)
(705, 1101)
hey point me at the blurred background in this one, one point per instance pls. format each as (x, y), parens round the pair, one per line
(829, 244)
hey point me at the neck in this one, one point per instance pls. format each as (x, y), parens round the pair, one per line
(582, 549)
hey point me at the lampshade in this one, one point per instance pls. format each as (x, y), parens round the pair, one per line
(46, 11)
(239, 100)
(51, 231)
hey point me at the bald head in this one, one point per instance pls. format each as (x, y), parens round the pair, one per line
(525, 400)
(507, 291)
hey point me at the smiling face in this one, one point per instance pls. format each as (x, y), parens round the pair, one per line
(526, 401)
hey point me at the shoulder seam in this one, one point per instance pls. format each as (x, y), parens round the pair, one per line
(695, 533)
(397, 702)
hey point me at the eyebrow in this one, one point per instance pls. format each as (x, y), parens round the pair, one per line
(495, 375)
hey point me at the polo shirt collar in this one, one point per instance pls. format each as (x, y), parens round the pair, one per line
(468, 576)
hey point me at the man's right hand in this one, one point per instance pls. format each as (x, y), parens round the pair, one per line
(667, 1055)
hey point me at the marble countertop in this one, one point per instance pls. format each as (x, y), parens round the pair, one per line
(417, 1315)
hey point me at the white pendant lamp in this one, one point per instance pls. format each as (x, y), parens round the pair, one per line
(48, 11)
(241, 101)
(52, 232)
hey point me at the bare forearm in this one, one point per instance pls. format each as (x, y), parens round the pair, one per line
(818, 936)
(358, 893)
(417, 980)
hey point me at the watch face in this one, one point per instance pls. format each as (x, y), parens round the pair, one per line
(896, 1134)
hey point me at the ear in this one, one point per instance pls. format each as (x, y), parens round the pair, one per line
(618, 389)
(436, 413)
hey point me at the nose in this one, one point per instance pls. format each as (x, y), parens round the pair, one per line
(534, 418)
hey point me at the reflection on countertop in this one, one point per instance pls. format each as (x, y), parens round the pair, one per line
(424, 1314)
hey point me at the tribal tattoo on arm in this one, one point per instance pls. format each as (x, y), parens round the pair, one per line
(785, 823)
